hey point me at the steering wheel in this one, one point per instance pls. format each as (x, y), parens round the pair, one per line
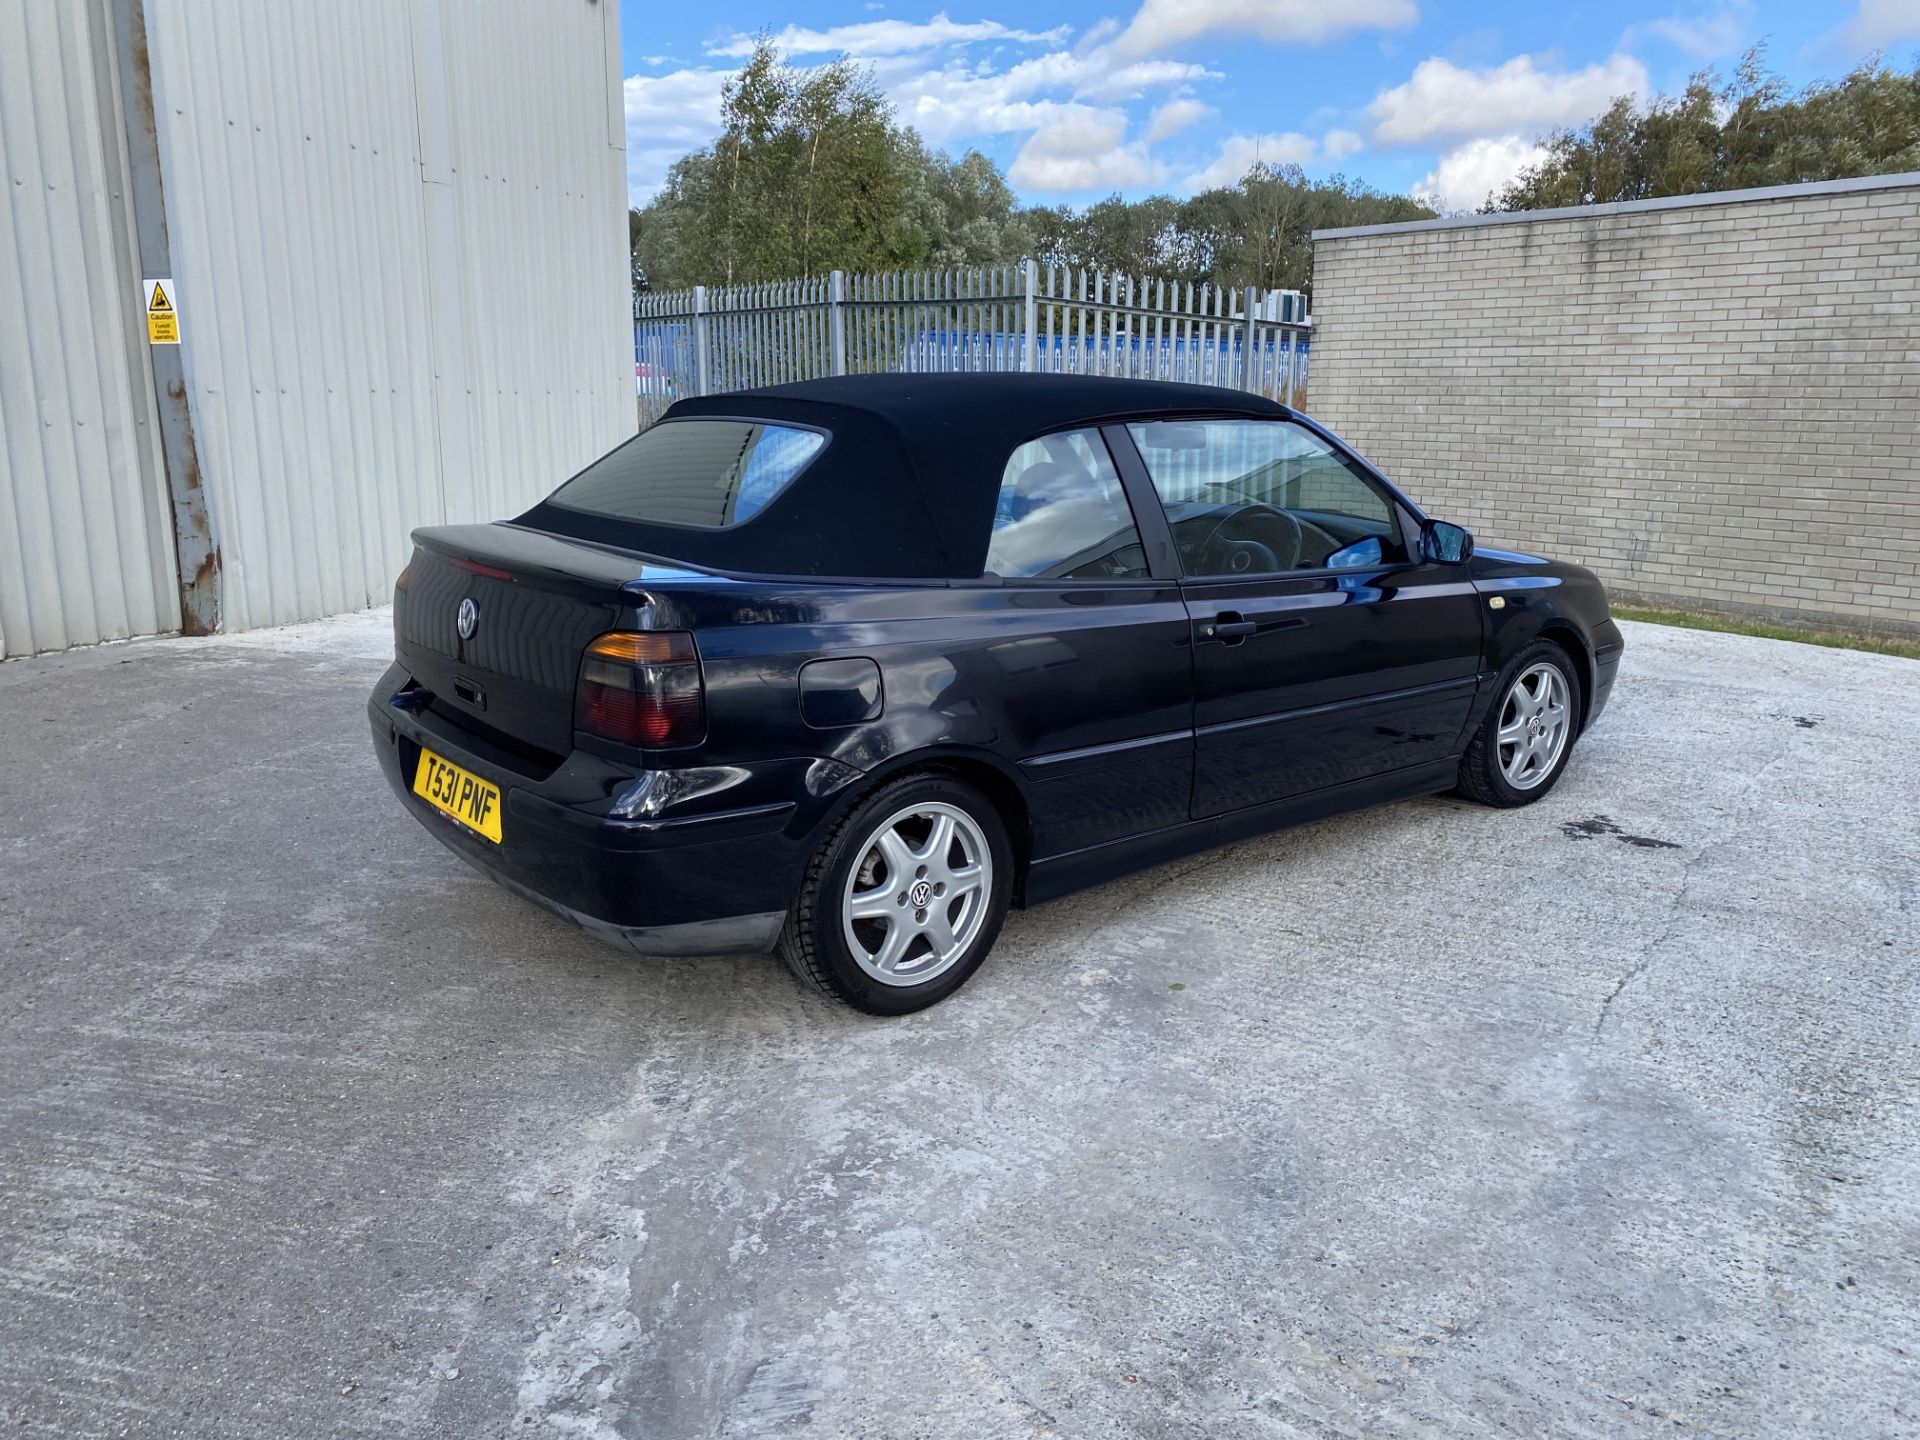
(1244, 552)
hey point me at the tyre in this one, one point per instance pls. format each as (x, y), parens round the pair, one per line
(1523, 744)
(904, 898)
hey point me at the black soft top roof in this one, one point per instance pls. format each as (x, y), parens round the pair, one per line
(906, 486)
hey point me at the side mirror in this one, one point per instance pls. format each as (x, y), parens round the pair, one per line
(1448, 544)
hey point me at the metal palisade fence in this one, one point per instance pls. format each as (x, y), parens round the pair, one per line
(992, 317)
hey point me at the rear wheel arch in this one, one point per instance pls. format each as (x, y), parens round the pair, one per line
(1004, 792)
(889, 962)
(991, 776)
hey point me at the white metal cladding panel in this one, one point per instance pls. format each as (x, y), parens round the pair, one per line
(398, 240)
(86, 551)
(537, 158)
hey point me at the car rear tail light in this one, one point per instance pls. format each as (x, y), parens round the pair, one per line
(642, 688)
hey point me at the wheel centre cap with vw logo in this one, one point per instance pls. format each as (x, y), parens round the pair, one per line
(468, 619)
(921, 895)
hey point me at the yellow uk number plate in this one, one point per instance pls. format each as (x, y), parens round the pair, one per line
(458, 794)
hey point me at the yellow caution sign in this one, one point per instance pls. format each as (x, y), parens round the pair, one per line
(163, 321)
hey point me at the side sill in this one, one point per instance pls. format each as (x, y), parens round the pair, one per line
(1057, 875)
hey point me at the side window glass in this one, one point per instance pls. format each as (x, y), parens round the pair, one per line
(1062, 514)
(1263, 497)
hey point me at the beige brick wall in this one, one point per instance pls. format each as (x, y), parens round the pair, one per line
(1717, 404)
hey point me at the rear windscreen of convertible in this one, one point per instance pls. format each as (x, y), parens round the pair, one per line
(706, 474)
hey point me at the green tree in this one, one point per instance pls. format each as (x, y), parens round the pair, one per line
(1053, 233)
(1747, 132)
(966, 209)
(1258, 231)
(809, 173)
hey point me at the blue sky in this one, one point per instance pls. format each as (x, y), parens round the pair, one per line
(1079, 98)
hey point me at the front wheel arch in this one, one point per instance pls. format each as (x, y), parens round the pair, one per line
(1517, 628)
(1481, 776)
(1580, 652)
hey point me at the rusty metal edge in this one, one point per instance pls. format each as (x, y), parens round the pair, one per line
(195, 544)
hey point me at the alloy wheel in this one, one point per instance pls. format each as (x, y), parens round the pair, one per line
(918, 895)
(1536, 719)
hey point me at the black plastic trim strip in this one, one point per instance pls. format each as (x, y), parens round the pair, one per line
(1114, 747)
(1358, 702)
(1149, 515)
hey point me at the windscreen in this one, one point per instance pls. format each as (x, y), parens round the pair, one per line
(705, 473)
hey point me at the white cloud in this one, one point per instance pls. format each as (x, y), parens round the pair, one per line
(958, 99)
(1443, 99)
(1174, 116)
(1239, 153)
(1339, 144)
(1083, 148)
(889, 37)
(1131, 80)
(1092, 107)
(1880, 23)
(1466, 176)
(668, 115)
(1706, 36)
(1161, 24)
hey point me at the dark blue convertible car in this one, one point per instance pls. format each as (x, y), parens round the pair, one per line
(850, 667)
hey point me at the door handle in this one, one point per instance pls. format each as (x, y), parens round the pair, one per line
(1229, 627)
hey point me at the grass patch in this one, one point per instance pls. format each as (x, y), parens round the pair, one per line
(1736, 625)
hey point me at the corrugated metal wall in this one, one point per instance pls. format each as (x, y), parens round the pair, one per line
(86, 552)
(401, 271)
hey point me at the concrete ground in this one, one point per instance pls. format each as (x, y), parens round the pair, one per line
(1596, 1118)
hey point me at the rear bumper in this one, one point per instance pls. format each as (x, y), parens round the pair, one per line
(728, 935)
(712, 875)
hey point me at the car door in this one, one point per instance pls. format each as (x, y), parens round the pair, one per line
(1325, 649)
(1082, 663)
